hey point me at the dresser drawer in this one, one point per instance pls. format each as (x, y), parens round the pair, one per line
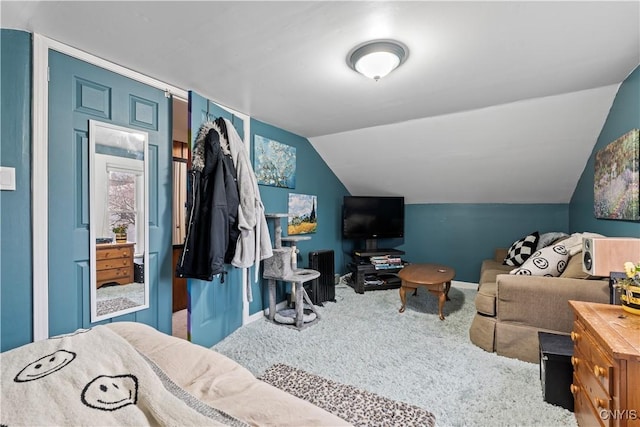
(115, 274)
(107, 264)
(598, 397)
(113, 252)
(599, 365)
(585, 413)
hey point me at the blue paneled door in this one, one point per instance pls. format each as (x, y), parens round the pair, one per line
(215, 308)
(78, 92)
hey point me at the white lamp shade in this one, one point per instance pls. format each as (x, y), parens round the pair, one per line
(376, 59)
(377, 64)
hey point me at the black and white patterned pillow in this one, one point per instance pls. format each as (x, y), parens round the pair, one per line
(521, 250)
(550, 261)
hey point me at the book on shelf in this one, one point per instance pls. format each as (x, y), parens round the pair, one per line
(386, 259)
(387, 266)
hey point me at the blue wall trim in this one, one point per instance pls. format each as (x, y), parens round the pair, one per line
(623, 116)
(16, 292)
(462, 235)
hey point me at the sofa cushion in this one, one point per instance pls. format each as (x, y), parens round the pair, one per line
(489, 276)
(518, 341)
(482, 332)
(550, 261)
(574, 268)
(491, 268)
(522, 249)
(486, 298)
(541, 302)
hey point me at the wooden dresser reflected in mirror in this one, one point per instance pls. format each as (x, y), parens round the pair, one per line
(114, 263)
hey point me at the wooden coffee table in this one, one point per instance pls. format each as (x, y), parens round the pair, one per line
(435, 277)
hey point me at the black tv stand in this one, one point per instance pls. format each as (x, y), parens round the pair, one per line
(376, 252)
(365, 276)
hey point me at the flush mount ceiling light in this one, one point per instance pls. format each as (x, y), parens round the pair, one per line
(377, 58)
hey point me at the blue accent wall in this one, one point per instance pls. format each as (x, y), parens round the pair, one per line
(623, 116)
(313, 177)
(16, 293)
(462, 235)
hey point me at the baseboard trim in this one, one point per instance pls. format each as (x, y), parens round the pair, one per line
(464, 285)
(264, 313)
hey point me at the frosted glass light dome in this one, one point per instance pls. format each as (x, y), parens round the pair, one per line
(376, 59)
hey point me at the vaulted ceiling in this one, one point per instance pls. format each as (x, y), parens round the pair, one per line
(498, 102)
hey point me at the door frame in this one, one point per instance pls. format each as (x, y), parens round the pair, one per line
(39, 166)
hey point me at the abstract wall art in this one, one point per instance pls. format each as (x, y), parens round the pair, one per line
(616, 179)
(274, 163)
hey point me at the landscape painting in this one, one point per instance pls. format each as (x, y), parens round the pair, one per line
(616, 179)
(302, 214)
(274, 163)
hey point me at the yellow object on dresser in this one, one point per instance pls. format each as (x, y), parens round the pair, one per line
(606, 365)
(114, 263)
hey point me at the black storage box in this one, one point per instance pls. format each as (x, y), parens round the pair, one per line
(556, 371)
(138, 273)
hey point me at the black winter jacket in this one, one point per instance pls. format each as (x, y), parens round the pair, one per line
(212, 207)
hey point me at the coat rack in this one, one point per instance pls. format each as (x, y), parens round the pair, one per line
(283, 266)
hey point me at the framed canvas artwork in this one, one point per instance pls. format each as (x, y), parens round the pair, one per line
(302, 214)
(274, 163)
(616, 179)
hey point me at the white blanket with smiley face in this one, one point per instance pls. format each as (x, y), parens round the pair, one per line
(94, 377)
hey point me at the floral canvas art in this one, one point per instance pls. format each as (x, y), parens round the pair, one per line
(616, 179)
(274, 163)
(302, 214)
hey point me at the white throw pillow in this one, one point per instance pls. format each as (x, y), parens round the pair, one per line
(550, 261)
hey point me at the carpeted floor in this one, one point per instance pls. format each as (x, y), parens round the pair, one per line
(413, 357)
(110, 299)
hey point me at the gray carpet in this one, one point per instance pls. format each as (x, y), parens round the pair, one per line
(413, 357)
(115, 304)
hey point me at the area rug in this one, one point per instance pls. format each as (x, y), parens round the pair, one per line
(113, 305)
(359, 407)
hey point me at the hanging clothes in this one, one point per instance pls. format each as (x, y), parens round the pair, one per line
(254, 242)
(212, 207)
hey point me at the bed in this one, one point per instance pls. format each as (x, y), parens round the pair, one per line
(127, 373)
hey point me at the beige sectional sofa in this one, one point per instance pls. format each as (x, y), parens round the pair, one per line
(511, 309)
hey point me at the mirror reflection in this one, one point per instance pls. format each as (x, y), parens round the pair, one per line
(118, 220)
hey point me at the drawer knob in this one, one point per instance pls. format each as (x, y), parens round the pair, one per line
(574, 361)
(599, 371)
(601, 403)
(575, 336)
(574, 389)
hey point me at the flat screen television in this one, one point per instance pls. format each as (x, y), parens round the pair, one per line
(367, 217)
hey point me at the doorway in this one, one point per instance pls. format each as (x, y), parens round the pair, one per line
(180, 159)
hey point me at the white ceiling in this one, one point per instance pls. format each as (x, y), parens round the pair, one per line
(498, 101)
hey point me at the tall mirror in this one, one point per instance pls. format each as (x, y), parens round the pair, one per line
(118, 225)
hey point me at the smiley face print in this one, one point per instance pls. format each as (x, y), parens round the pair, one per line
(44, 366)
(109, 393)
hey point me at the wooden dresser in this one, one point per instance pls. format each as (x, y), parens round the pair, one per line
(606, 365)
(114, 263)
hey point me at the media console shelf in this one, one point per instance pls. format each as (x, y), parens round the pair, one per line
(365, 276)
